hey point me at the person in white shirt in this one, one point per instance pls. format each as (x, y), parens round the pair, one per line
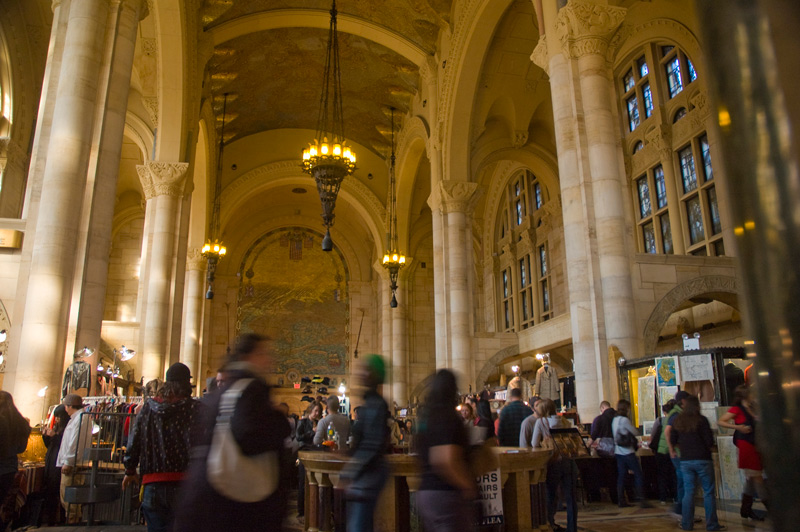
(77, 437)
(341, 424)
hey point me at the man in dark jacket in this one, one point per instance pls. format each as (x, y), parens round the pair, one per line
(258, 428)
(601, 426)
(159, 444)
(511, 417)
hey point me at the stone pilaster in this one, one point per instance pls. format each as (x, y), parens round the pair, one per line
(164, 184)
(193, 318)
(400, 344)
(13, 167)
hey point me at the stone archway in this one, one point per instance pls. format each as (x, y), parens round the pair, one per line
(419, 390)
(491, 365)
(720, 287)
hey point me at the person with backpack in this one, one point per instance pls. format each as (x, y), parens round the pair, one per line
(625, 445)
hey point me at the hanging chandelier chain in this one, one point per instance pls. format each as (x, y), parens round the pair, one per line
(331, 115)
(392, 196)
(215, 213)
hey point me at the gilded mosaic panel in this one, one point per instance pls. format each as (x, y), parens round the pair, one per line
(296, 294)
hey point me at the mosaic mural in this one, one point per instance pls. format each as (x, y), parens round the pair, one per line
(296, 293)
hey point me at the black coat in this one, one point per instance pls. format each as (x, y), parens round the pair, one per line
(257, 428)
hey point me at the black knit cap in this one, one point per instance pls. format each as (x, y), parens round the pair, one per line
(179, 373)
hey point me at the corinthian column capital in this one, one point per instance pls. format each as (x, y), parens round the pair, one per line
(163, 179)
(587, 28)
(540, 55)
(454, 196)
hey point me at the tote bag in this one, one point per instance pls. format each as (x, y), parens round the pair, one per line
(236, 476)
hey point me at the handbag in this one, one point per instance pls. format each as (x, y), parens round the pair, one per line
(626, 439)
(605, 446)
(236, 476)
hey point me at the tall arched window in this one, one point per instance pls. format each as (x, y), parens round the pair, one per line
(673, 188)
(524, 275)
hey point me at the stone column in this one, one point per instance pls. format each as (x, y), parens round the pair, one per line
(597, 251)
(400, 346)
(193, 317)
(456, 199)
(386, 329)
(50, 283)
(164, 184)
(440, 303)
(13, 165)
(88, 307)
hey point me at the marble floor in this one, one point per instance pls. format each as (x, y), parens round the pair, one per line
(606, 517)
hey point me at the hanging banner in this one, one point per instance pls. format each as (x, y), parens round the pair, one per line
(491, 494)
(667, 371)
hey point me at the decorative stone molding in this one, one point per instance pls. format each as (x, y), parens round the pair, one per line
(413, 128)
(540, 55)
(454, 196)
(520, 138)
(585, 28)
(163, 179)
(195, 260)
(709, 284)
(151, 106)
(149, 47)
(660, 138)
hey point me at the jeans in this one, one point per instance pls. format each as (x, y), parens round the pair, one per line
(676, 464)
(703, 470)
(626, 462)
(563, 473)
(665, 477)
(158, 505)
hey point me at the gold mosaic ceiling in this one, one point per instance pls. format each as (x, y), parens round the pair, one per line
(274, 76)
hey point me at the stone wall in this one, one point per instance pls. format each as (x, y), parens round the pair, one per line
(123, 272)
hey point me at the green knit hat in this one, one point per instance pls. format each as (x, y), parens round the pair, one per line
(377, 366)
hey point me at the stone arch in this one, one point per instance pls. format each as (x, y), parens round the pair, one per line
(721, 287)
(490, 365)
(172, 70)
(658, 29)
(420, 389)
(471, 38)
(412, 147)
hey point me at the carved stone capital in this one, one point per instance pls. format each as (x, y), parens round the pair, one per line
(195, 260)
(540, 55)
(586, 28)
(163, 179)
(55, 5)
(661, 139)
(454, 196)
(520, 138)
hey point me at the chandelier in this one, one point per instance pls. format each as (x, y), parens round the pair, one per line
(393, 261)
(214, 250)
(328, 160)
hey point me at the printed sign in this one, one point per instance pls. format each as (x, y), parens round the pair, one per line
(490, 491)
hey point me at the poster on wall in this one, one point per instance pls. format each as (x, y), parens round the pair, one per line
(667, 371)
(697, 368)
(491, 497)
(647, 399)
(665, 393)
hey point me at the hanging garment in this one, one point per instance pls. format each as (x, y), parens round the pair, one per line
(78, 376)
(547, 383)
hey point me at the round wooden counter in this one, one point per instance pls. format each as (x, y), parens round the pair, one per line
(522, 474)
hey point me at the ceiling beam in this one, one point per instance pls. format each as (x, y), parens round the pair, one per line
(307, 18)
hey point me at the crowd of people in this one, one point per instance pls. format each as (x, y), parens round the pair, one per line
(172, 450)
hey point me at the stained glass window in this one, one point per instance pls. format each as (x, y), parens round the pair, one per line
(649, 236)
(519, 212)
(628, 81)
(633, 113)
(680, 113)
(638, 147)
(505, 284)
(666, 234)
(643, 70)
(692, 71)
(708, 172)
(687, 169)
(537, 193)
(542, 261)
(648, 100)
(713, 211)
(545, 298)
(523, 279)
(695, 215)
(645, 209)
(673, 68)
(661, 187)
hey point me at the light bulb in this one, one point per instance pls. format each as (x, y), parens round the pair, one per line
(100, 367)
(222, 250)
(347, 153)
(3, 335)
(313, 151)
(2, 358)
(41, 392)
(337, 150)
(323, 149)
(306, 155)
(385, 259)
(402, 259)
(394, 257)
(216, 248)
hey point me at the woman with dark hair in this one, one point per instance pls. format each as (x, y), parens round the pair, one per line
(741, 419)
(14, 431)
(625, 445)
(306, 428)
(692, 433)
(51, 508)
(257, 428)
(485, 418)
(446, 495)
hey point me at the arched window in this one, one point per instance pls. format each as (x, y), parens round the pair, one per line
(524, 274)
(674, 198)
(638, 147)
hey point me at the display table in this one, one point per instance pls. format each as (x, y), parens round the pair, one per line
(522, 476)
